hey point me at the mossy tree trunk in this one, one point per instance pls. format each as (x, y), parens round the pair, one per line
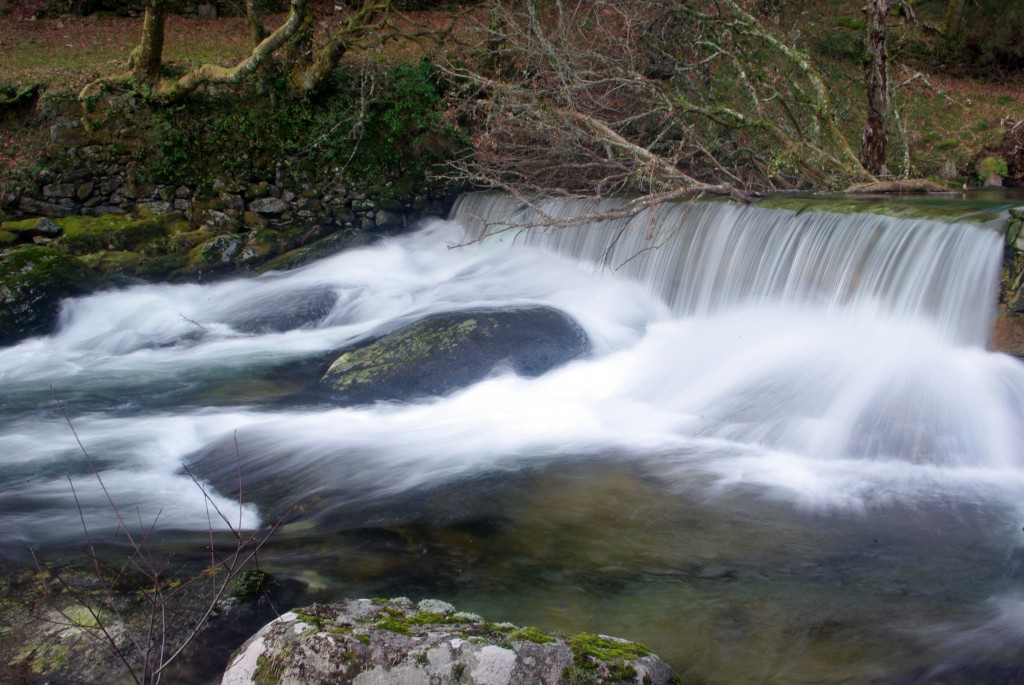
(146, 61)
(874, 141)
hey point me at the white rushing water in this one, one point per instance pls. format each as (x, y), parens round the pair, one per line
(834, 361)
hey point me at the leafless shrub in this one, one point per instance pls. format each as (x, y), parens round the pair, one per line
(147, 642)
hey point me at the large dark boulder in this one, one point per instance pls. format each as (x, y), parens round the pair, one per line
(444, 352)
(33, 281)
(377, 642)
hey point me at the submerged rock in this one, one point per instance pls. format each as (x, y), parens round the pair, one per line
(376, 642)
(284, 311)
(448, 351)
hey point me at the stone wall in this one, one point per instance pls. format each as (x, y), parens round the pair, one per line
(102, 170)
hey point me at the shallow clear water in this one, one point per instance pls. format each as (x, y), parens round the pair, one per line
(773, 489)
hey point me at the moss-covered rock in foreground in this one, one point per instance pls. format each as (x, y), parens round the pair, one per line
(33, 281)
(430, 643)
(448, 351)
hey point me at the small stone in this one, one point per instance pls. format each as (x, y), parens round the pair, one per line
(270, 206)
(154, 207)
(214, 220)
(232, 201)
(48, 228)
(948, 170)
(84, 190)
(59, 190)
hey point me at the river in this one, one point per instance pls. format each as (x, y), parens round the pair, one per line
(789, 457)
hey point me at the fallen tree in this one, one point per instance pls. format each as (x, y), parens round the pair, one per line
(661, 99)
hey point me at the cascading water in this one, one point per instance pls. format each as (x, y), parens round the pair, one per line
(789, 457)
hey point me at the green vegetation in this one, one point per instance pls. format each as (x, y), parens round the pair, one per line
(589, 650)
(530, 634)
(377, 122)
(33, 280)
(990, 166)
(397, 621)
(252, 583)
(585, 646)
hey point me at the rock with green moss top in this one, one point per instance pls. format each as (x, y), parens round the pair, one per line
(216, 254)
(444, 352)
(28, 230)
(33, 281)
(86, 234)
(382, 642)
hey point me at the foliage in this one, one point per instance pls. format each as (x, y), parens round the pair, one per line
(33, 281)
(994, 35)
(374, 121)
(991, 165)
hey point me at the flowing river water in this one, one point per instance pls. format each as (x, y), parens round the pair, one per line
(789, 458)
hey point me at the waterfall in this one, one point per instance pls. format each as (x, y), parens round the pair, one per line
(788, 421)
(705, 258)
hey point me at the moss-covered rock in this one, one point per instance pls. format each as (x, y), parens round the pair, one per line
(396, 641)
(33, 281)
(86, 234)
(452, 350)
(216, 254)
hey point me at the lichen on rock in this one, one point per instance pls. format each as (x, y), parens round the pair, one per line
(384, 642)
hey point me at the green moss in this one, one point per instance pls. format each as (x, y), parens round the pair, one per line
(621, 671)
(367, 364)
(252, 583)
(33, 280)
(85, 234)
(269, 669)
(587, 646)
(20, 226)
(394, 625)
(989, 166)
(115, 262)
(7, 238)
(184, 241)
(531, 634)
(81, 617)
(429, 618)
(44, 659)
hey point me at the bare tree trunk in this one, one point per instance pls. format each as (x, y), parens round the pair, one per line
(874, 142)
(314, 66)
(253, 15)
(954, 19)
(146, 59)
